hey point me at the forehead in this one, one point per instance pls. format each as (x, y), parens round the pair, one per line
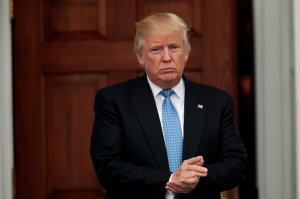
(159, 39)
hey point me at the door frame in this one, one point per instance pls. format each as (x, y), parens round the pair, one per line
(276, 131)
(6, 107)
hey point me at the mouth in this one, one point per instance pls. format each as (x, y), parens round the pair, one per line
(167, 70)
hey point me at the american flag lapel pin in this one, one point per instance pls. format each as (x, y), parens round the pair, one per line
(200, 106)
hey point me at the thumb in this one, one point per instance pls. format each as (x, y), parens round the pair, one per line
(198, 160)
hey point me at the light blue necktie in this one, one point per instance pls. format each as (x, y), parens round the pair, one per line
(172, 131)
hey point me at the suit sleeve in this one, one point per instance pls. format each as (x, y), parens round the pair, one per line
(113, 167)
(228, 171)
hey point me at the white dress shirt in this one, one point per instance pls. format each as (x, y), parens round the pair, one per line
(178, 102)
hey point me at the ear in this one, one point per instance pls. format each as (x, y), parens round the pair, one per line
(140, 59)
(186, 57)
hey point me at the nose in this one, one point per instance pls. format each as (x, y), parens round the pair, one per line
(166, 56)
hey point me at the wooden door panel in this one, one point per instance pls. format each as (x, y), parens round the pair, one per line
(68, 123)
(121, 18)
(219, 45)
(64, 50)
(87, 56)
(74, 19)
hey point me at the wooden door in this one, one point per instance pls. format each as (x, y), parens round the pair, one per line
(64, 50)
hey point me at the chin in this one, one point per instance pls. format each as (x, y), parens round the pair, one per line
(169, 75)
(169, 78)
(172, 80)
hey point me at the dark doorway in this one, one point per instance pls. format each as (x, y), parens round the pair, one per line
(246, 115)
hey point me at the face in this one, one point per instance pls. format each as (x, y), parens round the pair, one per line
(163, 58)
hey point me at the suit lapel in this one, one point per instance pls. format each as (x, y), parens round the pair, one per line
(194, 116)
(144, 105)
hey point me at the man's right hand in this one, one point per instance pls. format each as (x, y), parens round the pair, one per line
(186, 178)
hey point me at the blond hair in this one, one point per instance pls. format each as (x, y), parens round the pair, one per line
(162, 24)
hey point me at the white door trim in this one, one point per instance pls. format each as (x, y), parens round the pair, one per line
(275, 99)
(6, 126)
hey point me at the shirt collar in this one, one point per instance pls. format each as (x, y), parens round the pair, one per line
(178, 89)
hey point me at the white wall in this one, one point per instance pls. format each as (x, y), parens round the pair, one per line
(6, 132)
(275, 98)
(296, 24)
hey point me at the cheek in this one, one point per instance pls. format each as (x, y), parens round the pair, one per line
(183, 57)
(181, 61)
(152, 62)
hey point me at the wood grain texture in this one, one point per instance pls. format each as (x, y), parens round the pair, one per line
(64, 50)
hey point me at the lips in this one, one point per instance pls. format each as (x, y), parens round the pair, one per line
(168, 70)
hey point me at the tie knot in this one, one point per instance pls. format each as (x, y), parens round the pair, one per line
(167, 93)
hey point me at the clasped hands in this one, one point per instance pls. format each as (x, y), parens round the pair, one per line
(187, 176)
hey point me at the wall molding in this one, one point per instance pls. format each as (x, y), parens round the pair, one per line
(6, 127)
(274, 71)
(296, 24)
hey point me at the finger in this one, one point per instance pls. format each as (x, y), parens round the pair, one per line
(181, 174)
(192, 174)
(186, 181)
(202, 171)
(193, 160)
(171, 189)
(174, 187)
(192, 171)
(177, 190)
(189, 182)
(195, 168)
(180, 187)
(200, 162)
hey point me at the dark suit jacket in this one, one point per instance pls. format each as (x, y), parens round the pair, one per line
(128, 150)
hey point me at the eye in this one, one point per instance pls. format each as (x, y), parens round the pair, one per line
(174, 47)
(155, 50)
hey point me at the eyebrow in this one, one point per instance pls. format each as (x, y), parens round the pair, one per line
(170, 44)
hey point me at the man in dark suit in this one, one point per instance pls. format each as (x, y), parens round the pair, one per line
(134, 149)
